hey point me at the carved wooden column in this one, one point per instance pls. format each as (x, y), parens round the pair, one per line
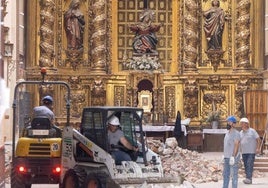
(98, 38)
(170, 101)
(129, 101)
(119, 96)
(190, 35)
(191, 98)
(242, 86)
(158, 99)
(135, 97)
(47, 21)
(78, 96)
(99, 92)
(243, 34)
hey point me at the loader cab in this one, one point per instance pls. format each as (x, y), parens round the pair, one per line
(88, 161)
(95, 120)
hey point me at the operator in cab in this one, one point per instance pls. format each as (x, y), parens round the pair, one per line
(120, 146)
(45, 111)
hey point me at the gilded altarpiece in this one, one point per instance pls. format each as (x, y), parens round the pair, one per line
(199, 71)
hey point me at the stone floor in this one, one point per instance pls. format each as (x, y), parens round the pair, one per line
(257, 182)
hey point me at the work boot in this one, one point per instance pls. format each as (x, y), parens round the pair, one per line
(247, 181)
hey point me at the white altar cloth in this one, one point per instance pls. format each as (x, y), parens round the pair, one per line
(164, 128)
(215, 131)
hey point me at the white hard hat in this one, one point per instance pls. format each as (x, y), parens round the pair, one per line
(245, 120)
(114, 121)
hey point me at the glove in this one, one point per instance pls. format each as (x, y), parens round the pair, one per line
(222, 159)
(232, 161)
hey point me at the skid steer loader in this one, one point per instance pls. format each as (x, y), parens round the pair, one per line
(88, 163)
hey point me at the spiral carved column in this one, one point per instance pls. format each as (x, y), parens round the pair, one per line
(243, 34)
(190, 35)
(98, 38)
(47, 33)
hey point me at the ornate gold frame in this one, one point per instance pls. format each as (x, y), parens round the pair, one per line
(145, 100)
(191, 75)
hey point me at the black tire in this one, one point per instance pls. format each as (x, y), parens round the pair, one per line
(17, 181)
(92, 181)
(70, 180)
(28, 186)
(81, 175)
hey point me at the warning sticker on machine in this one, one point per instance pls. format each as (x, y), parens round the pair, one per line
(55, 147)
(67, 147)
(40, 132)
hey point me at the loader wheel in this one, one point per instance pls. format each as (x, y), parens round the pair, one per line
(16, 181)
(70, 180)
(81, 175)
(92, 182)
(28, 186)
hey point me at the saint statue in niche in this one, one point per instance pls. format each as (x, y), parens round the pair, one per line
(74, 26)
(214, 25)
(145, 39)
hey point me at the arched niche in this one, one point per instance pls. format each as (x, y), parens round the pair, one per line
(145, 98)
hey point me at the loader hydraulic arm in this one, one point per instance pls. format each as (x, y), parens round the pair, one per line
(97, 153)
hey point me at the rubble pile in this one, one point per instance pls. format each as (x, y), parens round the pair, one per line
(189, 165)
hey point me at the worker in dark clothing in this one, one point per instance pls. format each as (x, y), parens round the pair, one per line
(178, 134)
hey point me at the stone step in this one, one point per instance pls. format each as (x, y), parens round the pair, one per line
(263, 160)
(261, 164)
(261, 169)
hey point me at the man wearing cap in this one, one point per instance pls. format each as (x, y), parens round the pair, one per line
(115, 139)
(45, 111)
(250, 145)
(230, 153)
